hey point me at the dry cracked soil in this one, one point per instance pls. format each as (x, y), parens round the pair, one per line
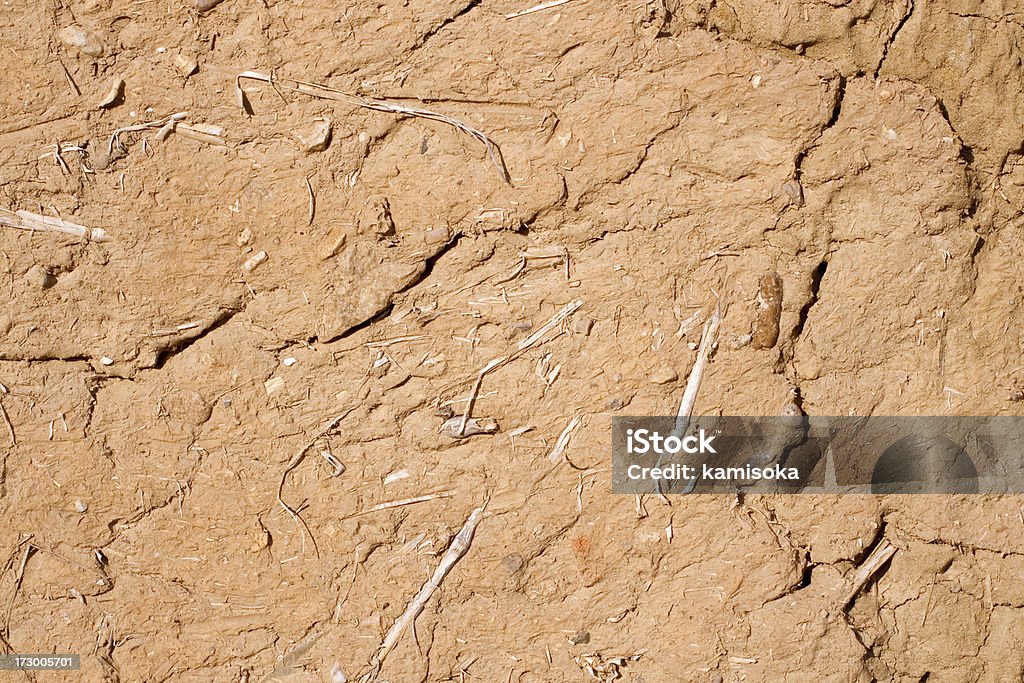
(221, 444)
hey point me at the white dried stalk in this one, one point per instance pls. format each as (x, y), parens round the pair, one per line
(568, 310)
(33, 222)
(115, 137)
(458, 548)
(879, 556)
(563, 439)
(402, 503)
(537, 8)
(707, 340)
(328, 93)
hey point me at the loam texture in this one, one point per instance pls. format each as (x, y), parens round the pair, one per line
(305, 283)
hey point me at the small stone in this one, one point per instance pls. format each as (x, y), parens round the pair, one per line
(106, 360)
(85, 41)
(473, 427)
(795, 191)
(185, 65)
(580, 638)
(204, 5)
(512, 563)
(80, 506)
(582, 325)
(245, 237)
(664, 375)
(441, 235)
(114, 93)
(741, 340)
(254, 261)
(289, 361)
(316, 138)
(40, 277)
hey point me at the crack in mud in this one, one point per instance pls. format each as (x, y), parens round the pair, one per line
(892, 38)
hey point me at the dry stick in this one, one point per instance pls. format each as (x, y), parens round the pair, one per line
(10, 427)
(521, 348)
(537, 8)
(401, 503)
(34, 222)
(879, 556)
(293, 463)
(458, 548)
(312, 200)
(328, 93)
(707, 340)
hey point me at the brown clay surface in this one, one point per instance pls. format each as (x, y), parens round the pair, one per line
(868, 152)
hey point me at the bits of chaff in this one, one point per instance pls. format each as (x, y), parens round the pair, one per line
(452, 427)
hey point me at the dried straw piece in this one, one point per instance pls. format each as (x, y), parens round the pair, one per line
(33, 222)
(458, 548)
(881, 554)
(115, 137)
(537, 8)
(326, 92)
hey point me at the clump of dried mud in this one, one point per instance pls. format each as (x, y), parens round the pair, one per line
(868, 153)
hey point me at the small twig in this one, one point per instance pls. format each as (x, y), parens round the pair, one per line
(566, 311)
(563, 439)
(115, 137)
(879, 556)
(312, 200)
(707, 341)
(328, 93)
(402, 503)
(458, 548)
(537, 8)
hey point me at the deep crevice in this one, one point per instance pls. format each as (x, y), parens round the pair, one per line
(837, 110)
(816, 277)
(223, 318)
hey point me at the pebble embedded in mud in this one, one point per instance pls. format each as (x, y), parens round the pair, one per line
(204, 5)
(254, 261)
(316, 138)
(185, 65)
(664, 375)
(82, 39)
(582, 325)
(40, 277)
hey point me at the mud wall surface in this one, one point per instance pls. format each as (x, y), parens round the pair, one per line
(306, 282)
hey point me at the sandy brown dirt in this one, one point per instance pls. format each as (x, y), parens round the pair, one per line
(868, 152)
